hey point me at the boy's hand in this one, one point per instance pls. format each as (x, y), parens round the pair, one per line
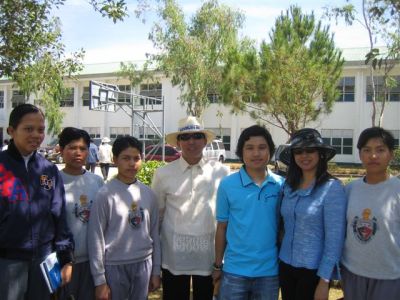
(103, 292)
(155, 283)
(66, 274)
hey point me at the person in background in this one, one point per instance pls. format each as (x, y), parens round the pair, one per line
(371, 255)
(313, 209)
(92, 157)
(186, 190)
(33, 220)
(246, 253)
(5, 145)
(81, 188)
(105, 157)
(123, 237)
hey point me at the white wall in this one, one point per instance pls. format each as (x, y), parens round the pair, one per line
(345, 115)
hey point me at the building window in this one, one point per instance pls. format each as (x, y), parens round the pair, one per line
(346, 88)
(223, 134)
(392, 95)
(340, 139)
(396, 135)
(1, 99)
(153, 90)
(119, 131)
(122, 97)
(68, 98)
(94, 132)
(17, 98)
(86, 96)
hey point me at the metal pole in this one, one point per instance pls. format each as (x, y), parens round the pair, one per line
(163, 128)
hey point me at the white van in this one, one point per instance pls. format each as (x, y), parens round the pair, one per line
(215, 151)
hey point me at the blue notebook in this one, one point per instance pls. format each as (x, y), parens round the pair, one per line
(51, 271)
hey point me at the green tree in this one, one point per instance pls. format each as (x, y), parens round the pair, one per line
(292, 80)
(381, 20)
(192, 53)
(32, 52)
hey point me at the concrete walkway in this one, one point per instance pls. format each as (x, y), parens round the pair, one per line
(111, 173)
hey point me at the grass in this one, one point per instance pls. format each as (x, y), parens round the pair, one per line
(334, 294)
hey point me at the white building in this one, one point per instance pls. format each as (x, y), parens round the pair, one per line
(351, 113)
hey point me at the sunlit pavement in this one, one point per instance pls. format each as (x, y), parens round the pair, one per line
(111, 173)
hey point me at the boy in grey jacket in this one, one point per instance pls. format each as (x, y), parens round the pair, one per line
(81, 188)
(123, 239)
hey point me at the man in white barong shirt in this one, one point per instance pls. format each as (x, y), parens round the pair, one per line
(186, 190)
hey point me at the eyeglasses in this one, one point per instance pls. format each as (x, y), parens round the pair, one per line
(298, 151)
(188, 136)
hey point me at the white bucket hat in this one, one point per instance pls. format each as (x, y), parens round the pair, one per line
(188, 125)
(105, 139)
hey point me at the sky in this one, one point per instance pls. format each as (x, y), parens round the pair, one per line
(105, 41)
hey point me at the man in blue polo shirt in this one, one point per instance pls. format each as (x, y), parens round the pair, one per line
(247, 215)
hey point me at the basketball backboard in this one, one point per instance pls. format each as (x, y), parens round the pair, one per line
(103, 96)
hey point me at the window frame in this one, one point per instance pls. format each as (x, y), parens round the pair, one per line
(68, 98)
(2, 95)
(347, 91)
(342, 142)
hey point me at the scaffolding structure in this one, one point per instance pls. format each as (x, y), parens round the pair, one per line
(104, 97)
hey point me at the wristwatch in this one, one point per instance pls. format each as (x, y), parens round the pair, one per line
(217, 267)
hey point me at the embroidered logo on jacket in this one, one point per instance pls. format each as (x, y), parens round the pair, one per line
(136, 215)
(82, 210)
(11, 187)
(46, 183)
(364, 228)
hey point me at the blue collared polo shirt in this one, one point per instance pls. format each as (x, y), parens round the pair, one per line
(251, 212)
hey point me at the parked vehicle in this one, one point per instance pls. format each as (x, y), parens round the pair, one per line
(154, 152)
(280, 168)
(215, 151)
(52, 152)
(54, 155)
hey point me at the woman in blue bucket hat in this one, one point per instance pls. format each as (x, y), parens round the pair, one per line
(313, 209)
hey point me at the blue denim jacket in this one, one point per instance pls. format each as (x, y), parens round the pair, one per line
(315, 223)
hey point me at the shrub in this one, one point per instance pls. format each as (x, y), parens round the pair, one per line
(396, 158)
(145, 174)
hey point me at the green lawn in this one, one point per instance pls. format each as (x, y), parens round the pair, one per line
(334, 294)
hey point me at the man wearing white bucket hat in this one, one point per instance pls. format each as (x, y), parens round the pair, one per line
(186, 190)
(105, 156)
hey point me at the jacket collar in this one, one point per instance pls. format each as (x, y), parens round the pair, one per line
(14, 153)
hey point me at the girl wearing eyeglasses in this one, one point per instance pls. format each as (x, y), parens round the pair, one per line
(313, 209)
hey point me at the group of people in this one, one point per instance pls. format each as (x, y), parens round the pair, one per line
(101, 155)
(243, 235)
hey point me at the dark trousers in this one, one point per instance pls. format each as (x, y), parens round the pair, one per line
(104, 170)
(297, 283)
(22, 280)
(91, 167)
(177, 287)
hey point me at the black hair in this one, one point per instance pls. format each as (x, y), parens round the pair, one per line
(70, 134)
(124, 142)
(255, 130)
(376, 132)
(295, 174)
(20, 111)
